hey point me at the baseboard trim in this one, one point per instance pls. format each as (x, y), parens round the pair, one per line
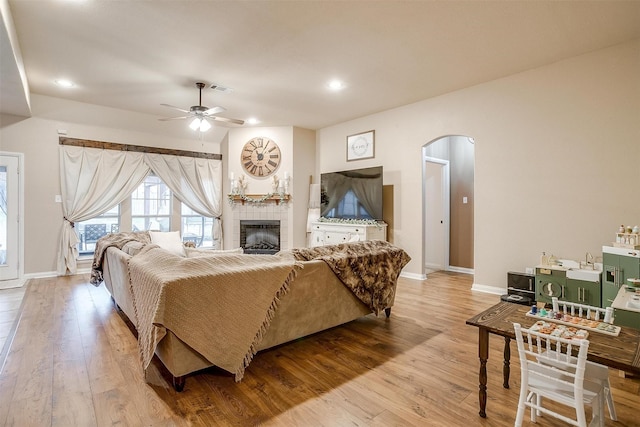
(488, 289)
(433, 266)
(41, 275)
(461, 270)
(45, 274)
(413, 276)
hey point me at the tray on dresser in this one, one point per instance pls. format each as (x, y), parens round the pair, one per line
(580, 323)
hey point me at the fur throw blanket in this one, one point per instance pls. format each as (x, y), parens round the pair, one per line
(115, 239)
(369, 268)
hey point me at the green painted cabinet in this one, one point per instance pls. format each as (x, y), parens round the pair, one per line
(550, 283)
(583, 292)
(627, 318)
(618, 266)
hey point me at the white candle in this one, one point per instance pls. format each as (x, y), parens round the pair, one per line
(231, 176)
(286, 175)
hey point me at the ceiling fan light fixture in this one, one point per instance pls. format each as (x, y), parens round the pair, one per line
(204, 125)
(200, 115)
(195, 124)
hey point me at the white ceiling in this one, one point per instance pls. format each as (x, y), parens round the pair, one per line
(277, 56)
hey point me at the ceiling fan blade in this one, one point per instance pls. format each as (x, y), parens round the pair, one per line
(226, 120)
(175, 108)
(174, 118)
(214, 110)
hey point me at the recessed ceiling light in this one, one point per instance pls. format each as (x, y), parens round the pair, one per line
(64, 83)
(253, 121)
(336, 85)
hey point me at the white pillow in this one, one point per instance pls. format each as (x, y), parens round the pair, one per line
(202, 252)
(169, 240)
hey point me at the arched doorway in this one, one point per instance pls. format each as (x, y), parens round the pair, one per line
(448, 204)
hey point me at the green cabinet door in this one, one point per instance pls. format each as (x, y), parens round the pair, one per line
(616, 270)
(630, 268)
(550, 283)
(583, 292)
(627, 318)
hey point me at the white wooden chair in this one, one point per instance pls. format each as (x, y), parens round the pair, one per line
(550, 372)
(594, 372)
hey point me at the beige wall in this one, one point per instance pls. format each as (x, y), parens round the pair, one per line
(304, 168)
(37, 138)
(556, 166)
(297, 147)
(556, 159)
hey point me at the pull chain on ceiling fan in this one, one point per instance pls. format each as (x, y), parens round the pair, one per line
(201, 114)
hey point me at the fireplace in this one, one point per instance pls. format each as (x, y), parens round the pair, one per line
(260, 236)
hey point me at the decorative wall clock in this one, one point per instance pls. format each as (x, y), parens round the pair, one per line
(260, 157)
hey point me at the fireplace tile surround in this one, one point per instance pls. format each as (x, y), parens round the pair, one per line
(261, 211)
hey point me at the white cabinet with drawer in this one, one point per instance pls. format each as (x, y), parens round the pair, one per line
(333, 233)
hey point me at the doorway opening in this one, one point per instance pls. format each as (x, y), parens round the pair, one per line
(11, 229)
(448, 204)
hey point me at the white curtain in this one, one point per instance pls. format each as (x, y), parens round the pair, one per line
(92, 181)
(196, 182)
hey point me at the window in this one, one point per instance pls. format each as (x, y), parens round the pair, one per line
(93, 229)
(196, 228)
(151, 205)
(151, 208)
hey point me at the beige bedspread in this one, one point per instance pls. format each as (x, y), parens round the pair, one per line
(369, 268)
(220, 305)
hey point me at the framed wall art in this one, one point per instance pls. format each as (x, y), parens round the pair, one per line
(361, 146)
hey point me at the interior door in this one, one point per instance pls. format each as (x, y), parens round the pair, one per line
(436, 221)
(9, 212)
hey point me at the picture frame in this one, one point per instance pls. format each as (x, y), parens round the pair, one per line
(361, 146)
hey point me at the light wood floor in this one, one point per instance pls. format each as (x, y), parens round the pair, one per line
(74, 362)
(10, 302)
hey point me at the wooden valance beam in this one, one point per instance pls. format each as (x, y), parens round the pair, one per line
(63, 140)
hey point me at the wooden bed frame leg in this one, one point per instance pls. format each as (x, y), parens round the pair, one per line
(387, 311)
(178, 383)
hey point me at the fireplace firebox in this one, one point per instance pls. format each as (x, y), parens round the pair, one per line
(260, 236)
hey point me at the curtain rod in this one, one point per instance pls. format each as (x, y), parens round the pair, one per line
(63, 140)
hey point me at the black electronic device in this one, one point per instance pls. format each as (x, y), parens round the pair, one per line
(352, 194)
(521, 288)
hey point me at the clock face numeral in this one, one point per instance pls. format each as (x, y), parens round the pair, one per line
(260, 157)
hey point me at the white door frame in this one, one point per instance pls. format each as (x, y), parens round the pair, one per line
(19, 242)
(446, 195)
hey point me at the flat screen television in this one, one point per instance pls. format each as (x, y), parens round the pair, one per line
(352, 194)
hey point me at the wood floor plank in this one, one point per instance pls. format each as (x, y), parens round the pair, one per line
(74, 361)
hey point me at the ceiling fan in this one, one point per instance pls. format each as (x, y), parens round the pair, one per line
(201, 114)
